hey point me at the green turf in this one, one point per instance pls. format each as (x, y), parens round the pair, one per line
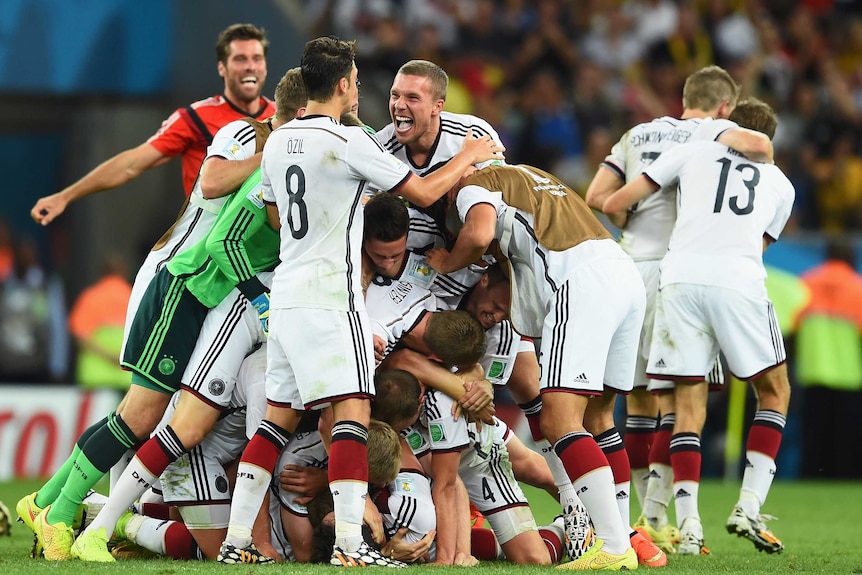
(819, 524)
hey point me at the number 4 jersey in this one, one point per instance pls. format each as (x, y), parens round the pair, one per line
(727, 206)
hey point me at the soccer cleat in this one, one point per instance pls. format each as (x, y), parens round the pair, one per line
(125, 550)
(55, 540)
(691, 538)
(5, 520)
(754, 529)
(365, 556)
(658, 536)
(28, 510)
(648, 552)
(92, 545)
(232, 555)
(580, 536)
(597, 559)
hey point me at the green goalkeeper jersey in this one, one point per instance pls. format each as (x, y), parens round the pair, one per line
(240, 244)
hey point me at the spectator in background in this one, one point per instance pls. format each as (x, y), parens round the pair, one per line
(96, 322)
(829, 366)
(34, 344)
(7, 256)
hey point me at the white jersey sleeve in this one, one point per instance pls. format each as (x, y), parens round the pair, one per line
(444, 433)
(234, 141)
(395, 307)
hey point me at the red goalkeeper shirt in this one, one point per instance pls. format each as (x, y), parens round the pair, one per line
(188, 131)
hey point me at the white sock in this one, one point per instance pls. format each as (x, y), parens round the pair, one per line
(659, 493)
(596, 490)
(685, 500)
(251, 485)
(134, 481)
(623, 495)
(568, 496)
(348, 498)
(756, 482)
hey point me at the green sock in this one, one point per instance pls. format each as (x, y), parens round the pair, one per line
(49, 492)
(102, 450)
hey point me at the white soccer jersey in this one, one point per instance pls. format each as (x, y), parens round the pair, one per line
(406, 502)
(450, 138)
(395, 307)
(727, 204)
(650, 221)
(314, 170)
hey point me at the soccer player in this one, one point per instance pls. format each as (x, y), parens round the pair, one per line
(313, 171)
(241, 53)
(713, 296)
(395, 240)
(104, 443)
(566, 272)
(709, 95)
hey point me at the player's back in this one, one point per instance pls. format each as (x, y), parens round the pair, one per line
(650, 221)
(727, 204)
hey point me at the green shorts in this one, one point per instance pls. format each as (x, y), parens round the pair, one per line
(164, 333)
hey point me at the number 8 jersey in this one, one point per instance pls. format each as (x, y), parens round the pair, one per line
(314, 170)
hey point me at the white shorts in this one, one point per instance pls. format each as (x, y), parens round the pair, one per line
(316, 356)
(230, 332)
(591, 334)
(191, 227)
(304, 449)
(492, 486)
(694, 321)
(649, 270)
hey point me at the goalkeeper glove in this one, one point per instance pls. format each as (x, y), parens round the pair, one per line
(261, 305)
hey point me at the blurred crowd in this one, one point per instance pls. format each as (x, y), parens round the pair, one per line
(561, 80)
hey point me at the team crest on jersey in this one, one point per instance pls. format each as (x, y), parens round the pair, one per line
(255, 196)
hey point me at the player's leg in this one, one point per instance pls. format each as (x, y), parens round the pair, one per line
(748, 332)
(686, 457)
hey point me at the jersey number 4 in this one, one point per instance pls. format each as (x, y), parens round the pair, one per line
(297, 211)
(733, 201)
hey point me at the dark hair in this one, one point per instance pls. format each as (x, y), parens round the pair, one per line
(496, 274)
(325, 61)
(755, 115)
(290, 95)
(456, 337)
(239, 32)
(386, 218)
(397, 396)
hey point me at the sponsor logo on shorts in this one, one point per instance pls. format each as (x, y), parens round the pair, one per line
(167, 366)
(660, 363)
(221, 484)
(437, 432)
(582, 378)
(216, 386)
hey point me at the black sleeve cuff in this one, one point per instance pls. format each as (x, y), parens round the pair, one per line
(251, 288)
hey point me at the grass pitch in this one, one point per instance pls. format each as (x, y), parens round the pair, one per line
(820, 525)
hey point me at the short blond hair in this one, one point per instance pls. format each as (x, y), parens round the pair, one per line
(707, 88)
(384, 453)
